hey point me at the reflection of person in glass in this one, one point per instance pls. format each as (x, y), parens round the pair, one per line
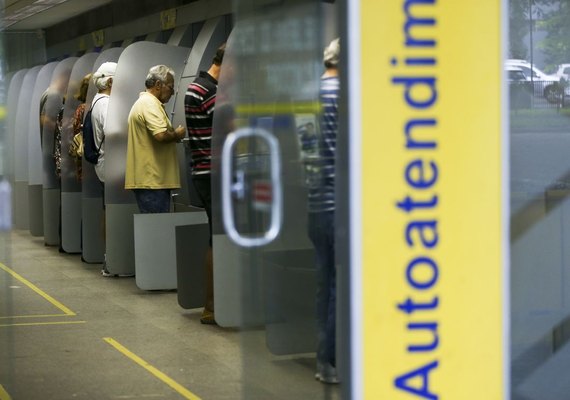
(103, 79)
(199, 106)
(321, 203)
(308, 138)
(152, 162)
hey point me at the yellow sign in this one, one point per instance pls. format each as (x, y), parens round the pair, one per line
(98, 38)
(168, 19)
(433, 231)
(82, 43)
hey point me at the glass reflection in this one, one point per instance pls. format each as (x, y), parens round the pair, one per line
(539, 185)
(276, 50)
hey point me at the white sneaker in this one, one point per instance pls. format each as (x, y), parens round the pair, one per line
(105, 272)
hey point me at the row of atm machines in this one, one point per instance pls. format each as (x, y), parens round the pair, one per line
(268, 91)
(41, 198)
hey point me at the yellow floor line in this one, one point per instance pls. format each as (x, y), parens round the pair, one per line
(42, 323)
(4, 394)
(29, 284)
(36, 316)
(160, 375)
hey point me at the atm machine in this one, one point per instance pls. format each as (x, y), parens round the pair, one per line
(51, 181)
(71, 197)
(13, 94)
(22, 220)
(35, 157)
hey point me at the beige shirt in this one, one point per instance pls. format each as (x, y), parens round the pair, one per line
(150, 164)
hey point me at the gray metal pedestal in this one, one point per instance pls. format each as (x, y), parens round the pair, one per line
(155, 247)
(191, 246)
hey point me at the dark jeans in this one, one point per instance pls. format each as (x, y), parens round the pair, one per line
(203, 188)
(321, 233)
(153, 200)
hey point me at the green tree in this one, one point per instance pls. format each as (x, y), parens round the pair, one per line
(518, 28)
(556, 23)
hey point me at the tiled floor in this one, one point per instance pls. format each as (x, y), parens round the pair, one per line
(68, 333)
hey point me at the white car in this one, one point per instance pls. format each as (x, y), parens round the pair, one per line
(528, 69)
(563, 71)
(515, 74)
(544, 84)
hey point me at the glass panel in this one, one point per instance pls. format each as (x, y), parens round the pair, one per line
(20, 132)
(8, 97)
(20, 150)
(52, 124)
(10, 123)
(540, 206)
(35, 165)
(276, 51)
(52, 121)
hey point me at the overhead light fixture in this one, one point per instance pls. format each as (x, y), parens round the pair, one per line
(29, 10)
(36, 8)
(50, 2)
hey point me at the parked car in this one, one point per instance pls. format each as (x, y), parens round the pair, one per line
(549, 86)
(533, 70)
(515, 74)
(563, 71)
(520, 89)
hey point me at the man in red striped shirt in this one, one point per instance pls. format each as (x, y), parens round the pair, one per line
(199, 106)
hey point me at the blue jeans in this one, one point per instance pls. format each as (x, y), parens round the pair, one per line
(153, 200)
(321, 233)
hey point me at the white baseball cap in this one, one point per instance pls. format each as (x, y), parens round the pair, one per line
(106, 69)
(331, 54)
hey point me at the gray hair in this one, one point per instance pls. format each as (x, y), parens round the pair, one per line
(102, 83)
(158, 73)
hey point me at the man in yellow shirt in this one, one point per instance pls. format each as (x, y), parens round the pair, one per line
(152, 164)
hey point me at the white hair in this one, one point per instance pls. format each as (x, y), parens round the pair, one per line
(105, 72)
(331, 54)
(101, 82)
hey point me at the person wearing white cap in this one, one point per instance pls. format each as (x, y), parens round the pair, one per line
(103, 79)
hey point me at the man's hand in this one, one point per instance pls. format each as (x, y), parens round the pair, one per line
(171, 136)
(180, 132)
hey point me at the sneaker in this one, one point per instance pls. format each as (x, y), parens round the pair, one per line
(105, 272)
(326, 373)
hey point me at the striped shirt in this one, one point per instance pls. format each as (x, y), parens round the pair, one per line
(322, 196)
(199, 105)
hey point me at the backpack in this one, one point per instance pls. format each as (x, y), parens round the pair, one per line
(90, 151)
